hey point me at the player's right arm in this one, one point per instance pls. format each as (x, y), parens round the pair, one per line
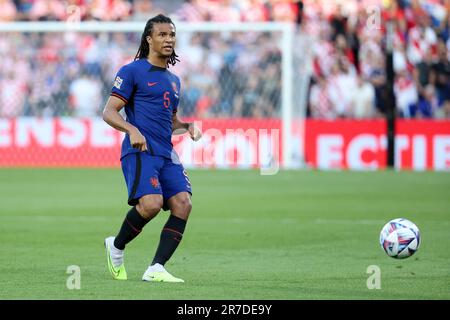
(121, 92)
(112, 117)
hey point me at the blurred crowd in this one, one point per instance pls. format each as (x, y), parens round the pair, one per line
(70, 74)
(126, 10)
(353, 77)
(235, 74)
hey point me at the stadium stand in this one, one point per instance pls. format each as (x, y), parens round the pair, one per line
(41, 75)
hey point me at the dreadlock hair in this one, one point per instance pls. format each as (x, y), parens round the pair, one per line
(144, 48)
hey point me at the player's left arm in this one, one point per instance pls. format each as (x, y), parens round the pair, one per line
(180, 127)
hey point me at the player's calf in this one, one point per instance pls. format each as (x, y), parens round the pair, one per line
(131, 227)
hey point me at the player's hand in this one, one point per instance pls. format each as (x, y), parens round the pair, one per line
(194, 132)
(137, 140)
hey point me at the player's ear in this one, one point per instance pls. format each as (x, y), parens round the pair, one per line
(149, 40)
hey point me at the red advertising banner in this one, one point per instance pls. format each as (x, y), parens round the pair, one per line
(67, 142)
(361, 145)
(230, 143)
(58, 142)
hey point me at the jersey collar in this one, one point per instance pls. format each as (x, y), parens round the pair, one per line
(153, 68)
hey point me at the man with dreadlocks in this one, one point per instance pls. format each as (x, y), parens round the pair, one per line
(154, 176)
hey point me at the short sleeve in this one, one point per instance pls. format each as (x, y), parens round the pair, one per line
(177, 95)
(123, 84)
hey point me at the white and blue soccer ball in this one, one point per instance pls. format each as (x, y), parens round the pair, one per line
(400, 238)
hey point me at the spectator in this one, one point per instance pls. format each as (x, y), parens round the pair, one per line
(77, 10)
(254, 11)
(46, 10)
(421, 39)
(377, 78)
(8, 11)
(23, 9)
(193, 11)
(249, 98)
(189, 97)
(12, 93)
(143, 9)
(338, 23)
(423, 73)
(207, 102)
(340, 89)
(406, 94)
(223, 11)
(284, 10)
(85, 96)
(343, 50)
(427, 106)
(114, 10)
(442, 75)
(194, 52)
(320, 103)
(363, 100)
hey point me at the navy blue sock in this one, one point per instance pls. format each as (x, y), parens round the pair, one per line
(131, 227)
(171, 235)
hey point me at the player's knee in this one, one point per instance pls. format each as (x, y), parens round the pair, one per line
(183, 205)
(149, 207)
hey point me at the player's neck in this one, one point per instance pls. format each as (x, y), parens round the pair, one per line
(157, 61)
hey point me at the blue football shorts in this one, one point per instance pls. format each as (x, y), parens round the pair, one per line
(146, 174)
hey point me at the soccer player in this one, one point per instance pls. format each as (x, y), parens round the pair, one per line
(155, 179)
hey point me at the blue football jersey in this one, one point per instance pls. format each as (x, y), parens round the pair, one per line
(151, 95)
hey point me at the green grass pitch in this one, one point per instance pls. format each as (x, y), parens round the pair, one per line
(294, 235)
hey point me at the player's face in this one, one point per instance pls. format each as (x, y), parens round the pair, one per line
(162, 40)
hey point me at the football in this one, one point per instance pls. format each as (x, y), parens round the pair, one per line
(400, 238)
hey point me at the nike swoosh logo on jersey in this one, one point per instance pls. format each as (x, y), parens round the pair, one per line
(151, 84)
